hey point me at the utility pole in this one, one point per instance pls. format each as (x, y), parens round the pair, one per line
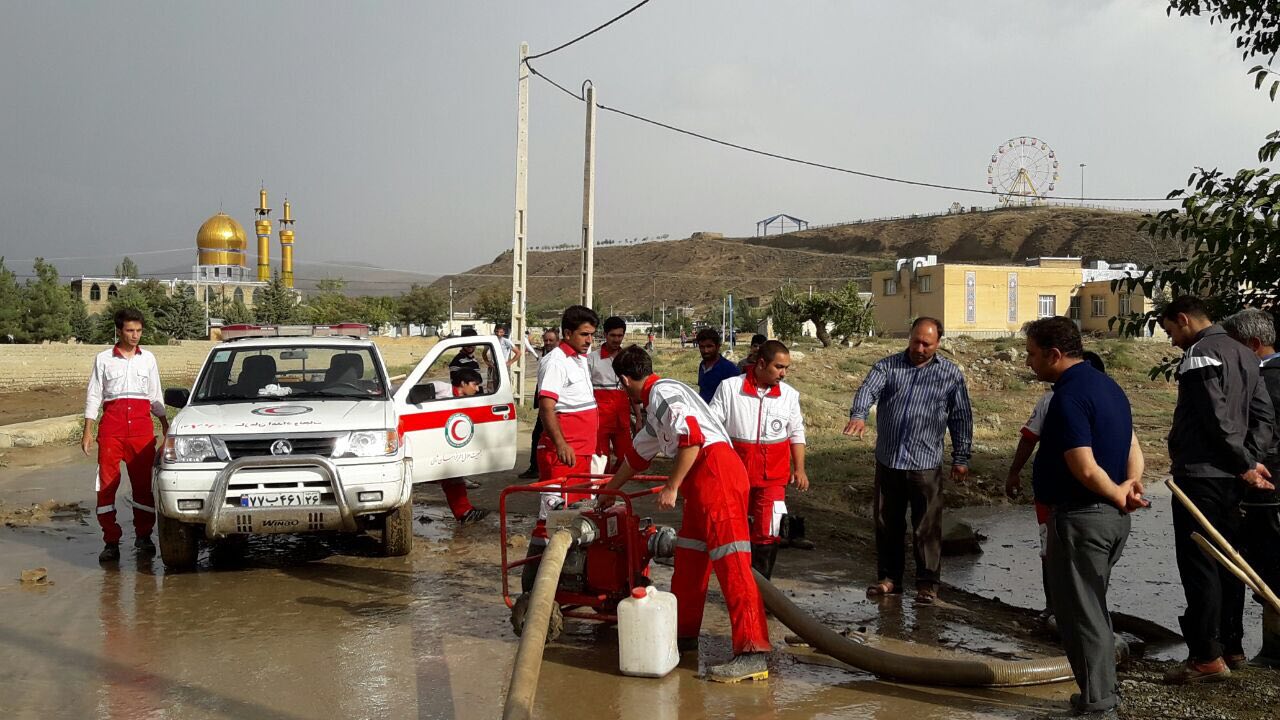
(1082, 167)
(589, 199)
(450, 306)
(519, 250)
(733, 336)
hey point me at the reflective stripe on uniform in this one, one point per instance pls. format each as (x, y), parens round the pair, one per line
(104, 509)
(691, 544)
(139, 506)
(743, 546)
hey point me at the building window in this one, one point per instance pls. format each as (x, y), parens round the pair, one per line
(890, 286)
(112, 291)
(238, 296)
(1048, 306)
(1074, 311)
(1126, 304)
(1099, 303)
(926, 283)
(95, 292)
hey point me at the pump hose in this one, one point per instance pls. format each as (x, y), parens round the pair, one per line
(955, 671)
(524, 675)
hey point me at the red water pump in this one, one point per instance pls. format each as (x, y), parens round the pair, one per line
(611, 557)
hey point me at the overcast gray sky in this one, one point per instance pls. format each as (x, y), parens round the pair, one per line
(391, 125)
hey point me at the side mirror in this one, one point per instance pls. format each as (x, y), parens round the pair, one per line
(419, 394)
(177, 397)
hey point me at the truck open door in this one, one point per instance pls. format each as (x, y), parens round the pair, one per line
(447, 436)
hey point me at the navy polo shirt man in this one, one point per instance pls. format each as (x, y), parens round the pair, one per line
(1088, 471)
(714, 368)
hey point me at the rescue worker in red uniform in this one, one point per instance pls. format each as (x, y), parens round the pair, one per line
(762, 415)
(613, 438)
(567, 411)
(464, 382)
(713, 531)
(125, 386)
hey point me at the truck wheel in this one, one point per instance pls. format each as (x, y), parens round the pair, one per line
(397, 531)
(179, 543)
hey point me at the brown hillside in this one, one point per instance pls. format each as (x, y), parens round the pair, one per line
(1012, 234)
(632, 278)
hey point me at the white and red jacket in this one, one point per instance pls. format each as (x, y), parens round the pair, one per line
(564, 376)
(127, 392)
(611, 399)
(762, 424)
(676, 418)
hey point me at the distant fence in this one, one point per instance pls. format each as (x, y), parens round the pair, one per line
(29, 379)
(943, 213)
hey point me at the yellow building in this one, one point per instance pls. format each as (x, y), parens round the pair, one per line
(997, 300)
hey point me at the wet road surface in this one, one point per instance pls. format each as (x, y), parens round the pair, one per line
(319, 627)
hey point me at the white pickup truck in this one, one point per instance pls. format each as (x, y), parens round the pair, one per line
(291, 434)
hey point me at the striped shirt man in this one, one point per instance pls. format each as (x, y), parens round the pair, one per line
(915, 407)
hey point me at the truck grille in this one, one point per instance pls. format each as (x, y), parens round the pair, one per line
(252, 447)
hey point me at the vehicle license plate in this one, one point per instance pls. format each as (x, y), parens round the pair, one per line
(285, 499)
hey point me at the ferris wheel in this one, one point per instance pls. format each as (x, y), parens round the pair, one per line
(1023, 171)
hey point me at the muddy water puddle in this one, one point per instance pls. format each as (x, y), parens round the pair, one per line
(1144, 583)
(319, 627)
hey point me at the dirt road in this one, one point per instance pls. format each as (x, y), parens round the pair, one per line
(320, 627)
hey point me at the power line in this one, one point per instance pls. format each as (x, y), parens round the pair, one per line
(108, 255)
(822, 166)
(589, 33)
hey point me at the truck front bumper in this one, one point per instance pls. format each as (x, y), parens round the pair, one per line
(218, 497)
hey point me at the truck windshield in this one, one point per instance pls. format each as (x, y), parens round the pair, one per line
(260, 373)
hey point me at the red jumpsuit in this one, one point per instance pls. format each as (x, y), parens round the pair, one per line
(564, 376)
(613, 436)
(127, 391)
(713, 531)
(763, 426)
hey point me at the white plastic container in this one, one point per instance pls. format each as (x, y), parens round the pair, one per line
(647, 633)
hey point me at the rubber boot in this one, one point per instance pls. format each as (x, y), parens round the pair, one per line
(798, 539)
(763, 556)
(747, 666)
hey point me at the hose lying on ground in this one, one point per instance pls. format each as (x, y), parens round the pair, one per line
(524, 675)
(956, 672)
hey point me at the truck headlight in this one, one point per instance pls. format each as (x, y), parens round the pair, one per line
(189, 448)
(367, 443)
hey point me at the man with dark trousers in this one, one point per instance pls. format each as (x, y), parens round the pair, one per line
(1257, 330)
(920, 396)
(125, 386)
(1222, 427)
(1089, 474)
(613, 438)
(713, 529)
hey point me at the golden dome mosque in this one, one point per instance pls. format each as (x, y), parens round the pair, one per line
(222, 269)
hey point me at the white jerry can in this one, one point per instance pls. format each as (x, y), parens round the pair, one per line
(647, 633)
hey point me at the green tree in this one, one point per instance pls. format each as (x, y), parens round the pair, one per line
(1228, 224)
(745, 318)
(785, 311)
(276, 304)
(376, 312)
(181, 316)
(127, 268)
(11, 304)
(494, 306)
(330, 303)
(46, 305)
(230, 311)
(843, 310)
(422, 306)
(81, 323)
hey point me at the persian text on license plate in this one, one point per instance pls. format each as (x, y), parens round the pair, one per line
(286, 499)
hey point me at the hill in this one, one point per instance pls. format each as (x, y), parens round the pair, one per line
(633, 278)
(992, 236)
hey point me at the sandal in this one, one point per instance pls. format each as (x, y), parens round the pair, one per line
(883, 588)
(926, 596)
